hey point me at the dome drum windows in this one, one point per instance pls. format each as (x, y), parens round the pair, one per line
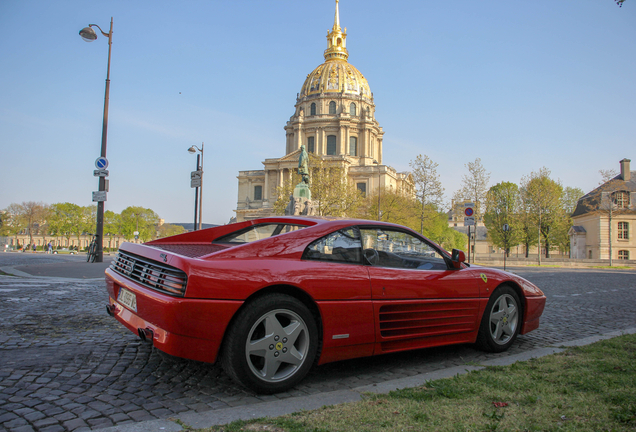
(332, 107)
(311, 145)
(353, 146)
(352, 110)
(312, 109)
(331, 145)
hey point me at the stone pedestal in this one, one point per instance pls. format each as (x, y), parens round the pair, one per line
(300, 202)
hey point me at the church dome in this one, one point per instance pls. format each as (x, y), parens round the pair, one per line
(336, 76)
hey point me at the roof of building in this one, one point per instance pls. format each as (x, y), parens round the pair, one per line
(590, 202)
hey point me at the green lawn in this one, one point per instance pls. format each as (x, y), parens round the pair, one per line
(590, 388)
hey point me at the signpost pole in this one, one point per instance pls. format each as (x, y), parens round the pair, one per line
(196, 199)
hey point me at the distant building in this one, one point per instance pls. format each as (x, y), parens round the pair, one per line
(334, 117)
(610, 207)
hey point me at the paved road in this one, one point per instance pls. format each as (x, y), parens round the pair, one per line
(66, 365)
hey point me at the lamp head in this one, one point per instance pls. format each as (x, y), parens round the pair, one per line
(88, 34)
(192, 150)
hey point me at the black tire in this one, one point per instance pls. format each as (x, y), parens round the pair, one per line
(502, 320)
(273, 359)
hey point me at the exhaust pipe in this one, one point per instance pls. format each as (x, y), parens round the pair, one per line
(111, 309)
(146, 335)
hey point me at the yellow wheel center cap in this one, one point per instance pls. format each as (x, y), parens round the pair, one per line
(279, 346)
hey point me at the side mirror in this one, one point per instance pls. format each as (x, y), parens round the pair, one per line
(457, 257)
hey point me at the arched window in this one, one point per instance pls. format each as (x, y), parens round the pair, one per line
(311, 146)
(312, 110)
(353, 146)
(332, 107)
(331, 144)
(623, 254)
(352, 109)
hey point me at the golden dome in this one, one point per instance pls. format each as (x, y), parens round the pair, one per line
(336, 75)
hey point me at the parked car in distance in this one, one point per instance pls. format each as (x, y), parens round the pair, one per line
(270, 298)
(65, 251)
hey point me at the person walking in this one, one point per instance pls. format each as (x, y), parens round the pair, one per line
(49, 248)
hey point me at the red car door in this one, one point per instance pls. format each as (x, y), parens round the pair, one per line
(418, 302)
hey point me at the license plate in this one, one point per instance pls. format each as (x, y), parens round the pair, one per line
(127, 298)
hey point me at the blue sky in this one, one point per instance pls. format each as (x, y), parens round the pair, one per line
(520, 84)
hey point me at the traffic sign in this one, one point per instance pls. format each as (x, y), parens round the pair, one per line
(99, 196)
(195, 178)
(100, 173)
(469, 221)
(101, 163)
(505, 228)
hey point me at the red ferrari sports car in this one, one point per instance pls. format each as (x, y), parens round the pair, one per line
(269, 298)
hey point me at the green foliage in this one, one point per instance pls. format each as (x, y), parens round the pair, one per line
(139, 219)
(167, 230)
(543, 198)
(503, 204)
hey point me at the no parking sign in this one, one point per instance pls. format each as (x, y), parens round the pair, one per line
(469, 214)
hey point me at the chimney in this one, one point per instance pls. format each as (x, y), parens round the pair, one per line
(625, 173)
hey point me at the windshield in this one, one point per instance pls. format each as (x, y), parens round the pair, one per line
(258, 232)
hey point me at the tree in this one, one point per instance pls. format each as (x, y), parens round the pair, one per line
(607, 175)
(167, 230)
(503, 204)
(396, 206)
(332, 194)
(474, 185)
(12, 222)
(69, 219)
(29, 215)
(542, 197)
(428, 187)
(139, 219)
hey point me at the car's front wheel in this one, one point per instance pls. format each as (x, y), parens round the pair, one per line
(500, 323)
(272, 344)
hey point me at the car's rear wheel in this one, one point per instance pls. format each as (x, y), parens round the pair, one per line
(272, 344)
(501, 321)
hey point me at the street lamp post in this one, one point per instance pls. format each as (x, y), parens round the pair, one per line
(89, 35)
(379, 189)
(193, 150)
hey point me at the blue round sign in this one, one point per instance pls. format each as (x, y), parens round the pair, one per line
(468, 211)
(101, 163)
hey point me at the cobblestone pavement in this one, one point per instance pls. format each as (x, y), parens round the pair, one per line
(65, 365)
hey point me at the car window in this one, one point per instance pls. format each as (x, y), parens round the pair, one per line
(398, 249)
(258, 232)
(340, 246)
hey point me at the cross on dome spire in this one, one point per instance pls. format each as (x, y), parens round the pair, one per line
(337, 40)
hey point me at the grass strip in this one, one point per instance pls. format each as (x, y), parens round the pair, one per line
(590, 388)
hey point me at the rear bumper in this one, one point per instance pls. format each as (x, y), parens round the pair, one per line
(182, 327)
(534, 309)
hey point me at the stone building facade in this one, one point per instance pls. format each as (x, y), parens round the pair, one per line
(608, 211)
(334, 117)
